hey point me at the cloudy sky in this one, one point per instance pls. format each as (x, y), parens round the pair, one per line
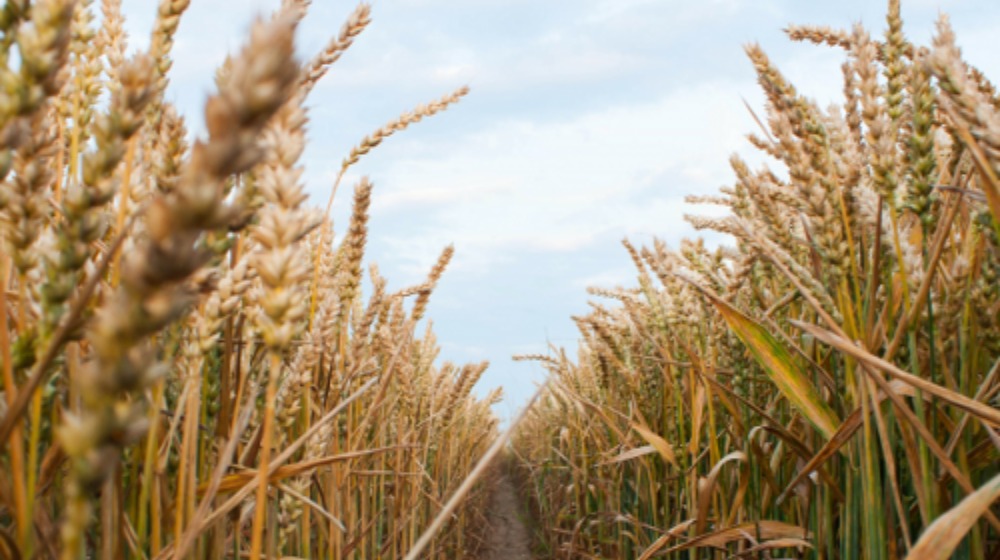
(588, 121)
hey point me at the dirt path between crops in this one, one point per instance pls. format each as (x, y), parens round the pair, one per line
(508, 538)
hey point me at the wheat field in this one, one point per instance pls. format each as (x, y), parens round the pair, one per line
(190, 367)
(197, 364)
(826, 385)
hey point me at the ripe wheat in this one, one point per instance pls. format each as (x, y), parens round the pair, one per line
(189, 366)
(827, 386)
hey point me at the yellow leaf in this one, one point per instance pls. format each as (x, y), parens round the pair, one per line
(661, 445)
(629, 455)
(759, 531)
(944, 535)
(790, 378)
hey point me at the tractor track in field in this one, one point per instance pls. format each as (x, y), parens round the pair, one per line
(509, 538)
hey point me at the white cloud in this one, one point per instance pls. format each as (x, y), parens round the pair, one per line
(525, 186)
(434, 196)
(606, 279)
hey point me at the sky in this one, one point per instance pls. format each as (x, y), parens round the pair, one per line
(588, 122)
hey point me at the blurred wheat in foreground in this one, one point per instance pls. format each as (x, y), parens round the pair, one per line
(189, 366)
(827, 387)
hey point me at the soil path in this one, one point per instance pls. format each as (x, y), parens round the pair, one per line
(508, 537)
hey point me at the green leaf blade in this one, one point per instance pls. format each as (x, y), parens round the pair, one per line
(790, 378)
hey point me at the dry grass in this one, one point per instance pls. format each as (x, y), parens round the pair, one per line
(190, 368)
(826, 387)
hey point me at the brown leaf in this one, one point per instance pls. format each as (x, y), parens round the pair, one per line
(944, 535)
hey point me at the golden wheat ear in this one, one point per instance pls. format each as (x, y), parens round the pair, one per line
(150, 297)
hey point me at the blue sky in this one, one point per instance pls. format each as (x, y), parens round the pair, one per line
(588, 121)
